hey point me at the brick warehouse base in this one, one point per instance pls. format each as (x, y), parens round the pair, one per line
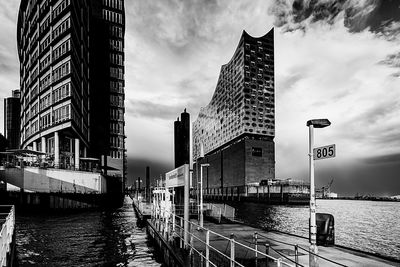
(247, 160)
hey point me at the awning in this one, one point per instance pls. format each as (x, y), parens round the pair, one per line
(26, 152)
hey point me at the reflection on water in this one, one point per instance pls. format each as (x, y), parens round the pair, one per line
(371, 226)
(94, 238)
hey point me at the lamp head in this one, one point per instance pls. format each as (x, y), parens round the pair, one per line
(319, 123)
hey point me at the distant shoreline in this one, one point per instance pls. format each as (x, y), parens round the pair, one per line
(386, 199)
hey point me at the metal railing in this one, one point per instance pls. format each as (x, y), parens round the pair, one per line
(7, 231)
(296, 248)
(172, 227)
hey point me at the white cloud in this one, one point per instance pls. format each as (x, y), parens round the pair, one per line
(332, 73)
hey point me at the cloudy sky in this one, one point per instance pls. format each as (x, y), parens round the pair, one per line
(334, 59)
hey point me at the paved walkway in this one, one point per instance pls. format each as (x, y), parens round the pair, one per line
(244, 234)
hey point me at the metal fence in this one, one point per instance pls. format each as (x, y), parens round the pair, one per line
(7, 230)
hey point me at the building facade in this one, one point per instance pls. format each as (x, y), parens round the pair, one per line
(12, 110)
(58, 44)
(236, 129)
(182, 140)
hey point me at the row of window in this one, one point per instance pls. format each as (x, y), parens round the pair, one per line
(117, 4)
(66, 24)
(61, 49)
(117, 73)
(115, 154)
(117, 127)
(116, 31)
(60, 8)
(116, 45)
(117, 100)
(117, 87)
(112, 16)
(61, 114)
(116, 114)
(116, 59)
(61, 71)
(116, 141)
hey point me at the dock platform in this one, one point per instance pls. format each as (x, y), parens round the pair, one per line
(237, 244)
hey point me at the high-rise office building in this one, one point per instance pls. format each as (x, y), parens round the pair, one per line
(236, 129)
(182, 140)
(12, 109)
(72, 80)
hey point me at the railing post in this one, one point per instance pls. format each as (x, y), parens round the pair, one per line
(279, 263)
(232, 251)
(173, 224)
(255, 242)
(208, 248)
(182, 232)
(267, 252)
(296, 254)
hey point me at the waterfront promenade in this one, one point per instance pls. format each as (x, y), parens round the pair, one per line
(291, 250)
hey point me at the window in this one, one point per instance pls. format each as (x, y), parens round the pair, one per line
(61, 71)
(61, 114)
(60, 8)
(61, 28)
(61, 92)
(256, 151)
(61, 49)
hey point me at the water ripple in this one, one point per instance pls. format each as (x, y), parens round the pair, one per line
(95, 238)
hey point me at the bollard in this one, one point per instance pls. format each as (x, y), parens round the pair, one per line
(296, 254)
(279, 263)
(232, 250)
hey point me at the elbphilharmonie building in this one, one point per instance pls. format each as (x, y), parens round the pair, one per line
(235, 132)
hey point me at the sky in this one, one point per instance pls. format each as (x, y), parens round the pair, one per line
(334, 59)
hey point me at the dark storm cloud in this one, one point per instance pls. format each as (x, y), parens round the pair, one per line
(372, 176)
(359, 15)
(148, 109)
(386, 159)
(137, 168)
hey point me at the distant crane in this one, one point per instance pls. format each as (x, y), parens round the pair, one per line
(326, 190)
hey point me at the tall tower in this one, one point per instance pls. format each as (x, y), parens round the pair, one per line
(237, 127)
(72, 80)
(182, 140)
(12, 110)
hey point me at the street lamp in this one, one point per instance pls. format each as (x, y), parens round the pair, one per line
(201, 191)
(138, 181)
(318, 123)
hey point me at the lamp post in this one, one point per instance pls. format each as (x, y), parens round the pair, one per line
(318, 123)
(138, 181)
(201, 191)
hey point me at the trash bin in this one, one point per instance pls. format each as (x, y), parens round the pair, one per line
(325, 229)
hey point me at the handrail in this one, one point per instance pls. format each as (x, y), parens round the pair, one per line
(319, 256)
(6, 234)
(162, 210)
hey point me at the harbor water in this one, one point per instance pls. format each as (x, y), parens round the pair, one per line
(112, 238)
(94, 238)
(371, 226)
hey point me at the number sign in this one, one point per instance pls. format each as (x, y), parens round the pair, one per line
(324, 152)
